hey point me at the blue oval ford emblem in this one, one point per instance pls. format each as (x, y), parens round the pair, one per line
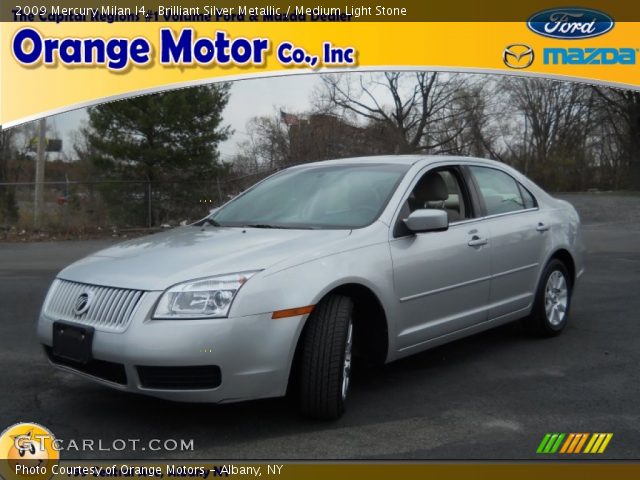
(570, 23)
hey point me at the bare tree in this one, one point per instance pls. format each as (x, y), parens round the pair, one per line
(477, 108)
(622, 114)
(548, 129)
(267, 146)
(415, 107)
(567, 136)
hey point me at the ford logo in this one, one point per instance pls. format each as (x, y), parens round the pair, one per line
(570, 23)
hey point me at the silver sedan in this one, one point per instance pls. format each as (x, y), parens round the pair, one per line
(279, 290)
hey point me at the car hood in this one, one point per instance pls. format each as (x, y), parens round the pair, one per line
(158, 261)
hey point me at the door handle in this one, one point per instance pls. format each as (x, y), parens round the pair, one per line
(542, 227)
(476, 241)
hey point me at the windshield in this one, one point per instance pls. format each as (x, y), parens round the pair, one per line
(338, 196)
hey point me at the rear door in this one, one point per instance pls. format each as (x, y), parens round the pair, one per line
(518, 238)
(441, 279)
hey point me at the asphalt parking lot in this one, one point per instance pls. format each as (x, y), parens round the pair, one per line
(491, 396)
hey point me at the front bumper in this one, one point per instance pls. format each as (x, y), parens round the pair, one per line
(254, 353)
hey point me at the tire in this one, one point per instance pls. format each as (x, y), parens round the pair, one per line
(552, 303)
(325, 367)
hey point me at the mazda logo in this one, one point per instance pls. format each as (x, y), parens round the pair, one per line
(83, 302)
(518, 56)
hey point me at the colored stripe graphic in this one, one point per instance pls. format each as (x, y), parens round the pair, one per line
(581, 442)
(568, 442)
(574, 443)
(605, 443)
(576, 438)
(543, 443)
(598, 443)
(550, 443)
(556, 445)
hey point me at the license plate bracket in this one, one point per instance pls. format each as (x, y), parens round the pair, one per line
(72, 342)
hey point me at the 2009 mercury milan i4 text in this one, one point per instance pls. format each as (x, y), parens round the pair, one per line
(376, 258)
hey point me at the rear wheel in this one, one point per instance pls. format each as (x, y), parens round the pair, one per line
(553, 299)
(325, 370)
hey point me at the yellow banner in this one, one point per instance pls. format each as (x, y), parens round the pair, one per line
(52, 67)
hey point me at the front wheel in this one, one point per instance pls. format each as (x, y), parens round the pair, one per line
(325, 370)
(550, 311)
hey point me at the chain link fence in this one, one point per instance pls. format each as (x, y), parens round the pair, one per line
(77, 206)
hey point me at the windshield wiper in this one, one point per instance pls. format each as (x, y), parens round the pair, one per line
(262, 225)
(268, 225)
(210, 221)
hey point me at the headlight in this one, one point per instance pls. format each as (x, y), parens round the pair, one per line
(204, 298)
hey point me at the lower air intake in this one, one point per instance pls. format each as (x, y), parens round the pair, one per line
(202, 377)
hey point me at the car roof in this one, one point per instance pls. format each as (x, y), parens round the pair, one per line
(408, 160)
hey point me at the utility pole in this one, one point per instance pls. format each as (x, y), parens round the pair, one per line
(39, 192)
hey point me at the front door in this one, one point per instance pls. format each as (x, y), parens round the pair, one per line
(442, 279)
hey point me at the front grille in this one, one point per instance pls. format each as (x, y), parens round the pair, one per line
(110, 371)
(110, 309)
(200, 377)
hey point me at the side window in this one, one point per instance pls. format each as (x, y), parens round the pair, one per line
(441, 189)
(500, 191)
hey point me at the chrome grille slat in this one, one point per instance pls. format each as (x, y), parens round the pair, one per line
(75, 293)
(131, 308)
(53, 300)
(108, 312)
(102, 296)
(104, 307)
(114, 304)
(63, 295)
(98, 303)
(104, 313)
(110, 309)
(120, 308)
(67, 304)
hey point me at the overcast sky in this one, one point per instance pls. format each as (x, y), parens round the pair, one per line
(249, 98)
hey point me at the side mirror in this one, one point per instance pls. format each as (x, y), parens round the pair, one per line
(427, 220)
